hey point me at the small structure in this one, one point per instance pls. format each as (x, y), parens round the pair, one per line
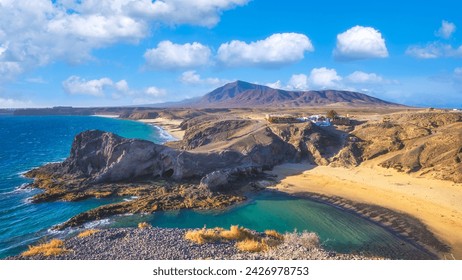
(282, 119)
(340, 120)
(319, 120)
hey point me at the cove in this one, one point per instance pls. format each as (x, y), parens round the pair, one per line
(338, 230)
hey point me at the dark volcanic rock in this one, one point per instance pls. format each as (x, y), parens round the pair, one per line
(98, 156)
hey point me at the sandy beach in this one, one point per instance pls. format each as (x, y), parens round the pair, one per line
(436, 203)
(171, 126)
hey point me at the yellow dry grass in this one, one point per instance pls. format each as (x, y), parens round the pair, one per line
(52, 248)
(204, 235)
(144, 225)
(87, 233)
(252, 245)
(275, 234)
(237, 233)
(245, 239)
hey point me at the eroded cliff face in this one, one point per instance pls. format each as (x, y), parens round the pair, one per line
(427, 144)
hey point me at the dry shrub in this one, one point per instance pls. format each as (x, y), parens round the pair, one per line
(308, 240)
(204, 235)
(52, 248)
(237, 233)
(246, 240)
(144, 225)
(275, 234)
(87, 233)
(251, 245)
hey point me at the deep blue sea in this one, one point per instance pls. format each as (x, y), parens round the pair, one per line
(28, 142)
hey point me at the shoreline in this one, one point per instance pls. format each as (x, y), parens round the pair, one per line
(384, 216)
(369, 186)
(169, 126)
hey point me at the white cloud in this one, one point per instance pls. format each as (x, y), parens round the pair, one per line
(168, 55)
(116, 90)
(122, 86)
(298, 82)
(96, 87)
(9, 69)
(278, 49)
(37, 33)
(446, 30)
(360, 42)
(434, 50)
(193, 78)
(359, 77)
(276, 85)
(14, 103)
(324, 77)
(155, 91)
(200, 12)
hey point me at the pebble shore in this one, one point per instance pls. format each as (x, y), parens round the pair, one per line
(169, 244)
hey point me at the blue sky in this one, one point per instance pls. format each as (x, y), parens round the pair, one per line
(128, 52)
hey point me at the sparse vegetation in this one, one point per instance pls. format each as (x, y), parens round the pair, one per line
(273, 233)
(144, 225)
(52, 248)
(87, 233)
(204, 235)
(331, 114)
(237, 233)
(246, 240)
(251, 245)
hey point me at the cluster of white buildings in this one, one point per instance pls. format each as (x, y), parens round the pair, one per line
(317, 120)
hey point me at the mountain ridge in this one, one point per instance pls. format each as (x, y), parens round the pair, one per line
(241, 94)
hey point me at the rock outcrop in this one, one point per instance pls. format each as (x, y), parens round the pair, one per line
(423, 143)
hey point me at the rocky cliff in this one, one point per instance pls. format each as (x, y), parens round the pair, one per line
(428, 144)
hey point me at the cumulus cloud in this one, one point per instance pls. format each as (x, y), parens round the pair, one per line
(106, 87)
(298, 82)
(324, 77)
(14, 103)
(196, 12)
(36, 33)
(437, 49)
(278, 49)
(276, 85)
(193, 78)
(359, 77)
(96, 87)
(168, 55)
(434, 50)
(446, 30)
(77, 85)
(360, 42)
(155, 91)
(122, 86)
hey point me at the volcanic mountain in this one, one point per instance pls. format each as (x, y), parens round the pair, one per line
(241, 94)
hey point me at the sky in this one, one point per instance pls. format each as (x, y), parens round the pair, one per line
(134, 52)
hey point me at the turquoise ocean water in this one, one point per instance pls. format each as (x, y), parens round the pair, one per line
(28, 142)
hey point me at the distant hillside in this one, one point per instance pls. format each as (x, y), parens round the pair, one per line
(241, 94)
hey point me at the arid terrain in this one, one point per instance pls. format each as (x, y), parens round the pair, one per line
(395, 165)
(406, 161)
